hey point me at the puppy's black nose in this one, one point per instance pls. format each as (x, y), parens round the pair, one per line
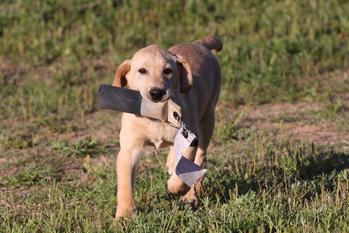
(156, 93)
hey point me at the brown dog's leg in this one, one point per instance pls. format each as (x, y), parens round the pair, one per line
(206, 130)
(174, 184)
(191, 197)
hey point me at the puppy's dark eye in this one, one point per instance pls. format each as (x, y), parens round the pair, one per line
(142, 70)
(167, 71)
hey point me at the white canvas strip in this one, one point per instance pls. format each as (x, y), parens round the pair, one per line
(186, 170)
(165, 111)
(154, 110)
(174, 114)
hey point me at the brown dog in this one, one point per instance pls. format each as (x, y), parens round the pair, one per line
(190, 72)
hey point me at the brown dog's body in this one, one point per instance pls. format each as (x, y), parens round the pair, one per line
(190, 72)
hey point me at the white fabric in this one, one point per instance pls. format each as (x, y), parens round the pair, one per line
(186, 170)
(154, 110)
(165, 111)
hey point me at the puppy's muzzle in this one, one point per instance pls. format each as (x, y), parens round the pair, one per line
(156, 94)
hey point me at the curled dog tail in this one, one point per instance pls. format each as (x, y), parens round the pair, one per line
(211, 42)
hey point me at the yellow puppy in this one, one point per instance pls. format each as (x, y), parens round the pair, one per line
(190, 72)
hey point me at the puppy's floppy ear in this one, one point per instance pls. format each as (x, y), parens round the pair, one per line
(185, 74)
(120, 75)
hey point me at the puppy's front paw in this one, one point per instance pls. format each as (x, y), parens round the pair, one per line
(124, 212)
(190, 198)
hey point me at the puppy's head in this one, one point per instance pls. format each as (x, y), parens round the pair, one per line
(155, 73)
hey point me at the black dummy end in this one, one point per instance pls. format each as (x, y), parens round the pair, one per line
(119, 99)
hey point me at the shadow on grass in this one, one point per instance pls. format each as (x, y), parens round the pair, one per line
(311, 172)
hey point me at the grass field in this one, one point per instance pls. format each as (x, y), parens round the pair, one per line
(279, 159)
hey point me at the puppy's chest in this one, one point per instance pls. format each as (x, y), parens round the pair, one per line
(160, 134)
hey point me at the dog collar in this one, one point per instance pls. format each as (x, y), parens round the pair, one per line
(131, 101)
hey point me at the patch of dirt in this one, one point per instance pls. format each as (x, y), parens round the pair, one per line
(11, 73)
(3, 161)
(304, 121)
(319, 134)
(73, 170)
(9, 165)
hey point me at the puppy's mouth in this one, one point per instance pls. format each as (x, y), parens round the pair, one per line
(167, 96)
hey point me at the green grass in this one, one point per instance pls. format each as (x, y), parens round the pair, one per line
(57, 152)
(275, 186)
(269, 47)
